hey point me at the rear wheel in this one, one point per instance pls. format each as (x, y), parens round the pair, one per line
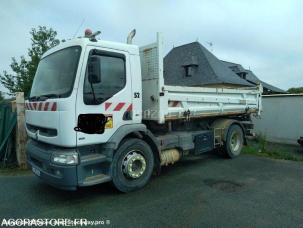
(132, 165)
(234, 141)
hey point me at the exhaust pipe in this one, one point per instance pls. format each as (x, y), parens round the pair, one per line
(131, 36)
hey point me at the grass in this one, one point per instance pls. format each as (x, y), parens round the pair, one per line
(260, 147)
(12, 170)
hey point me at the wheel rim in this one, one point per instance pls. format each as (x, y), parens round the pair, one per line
(133, 165)
(235, 141)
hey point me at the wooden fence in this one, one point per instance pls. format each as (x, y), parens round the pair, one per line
(21, 136)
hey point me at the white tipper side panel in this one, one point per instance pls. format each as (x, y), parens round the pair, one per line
(174, 101)
(203, 102)
(152, 81)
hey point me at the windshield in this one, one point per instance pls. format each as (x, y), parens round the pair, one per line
(56, 74)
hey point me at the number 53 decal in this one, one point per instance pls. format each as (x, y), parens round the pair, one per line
(136, 95)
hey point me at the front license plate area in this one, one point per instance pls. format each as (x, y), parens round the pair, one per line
(36, 171)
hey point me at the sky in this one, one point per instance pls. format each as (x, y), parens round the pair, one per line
(265, 36)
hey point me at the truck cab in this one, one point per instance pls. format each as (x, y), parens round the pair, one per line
(87, 122)
(62, 91)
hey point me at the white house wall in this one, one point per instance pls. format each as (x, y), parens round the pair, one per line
(282, 118)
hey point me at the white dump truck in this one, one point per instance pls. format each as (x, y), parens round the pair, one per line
(99, 111)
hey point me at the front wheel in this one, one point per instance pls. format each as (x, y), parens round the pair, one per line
(132, 165)
(234, 141)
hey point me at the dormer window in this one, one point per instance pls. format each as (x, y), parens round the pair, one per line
(190, 66)
(242, 75)
(189, 70)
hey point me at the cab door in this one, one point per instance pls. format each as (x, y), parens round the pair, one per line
(110, 96)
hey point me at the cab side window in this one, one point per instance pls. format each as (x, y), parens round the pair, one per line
(113, 78)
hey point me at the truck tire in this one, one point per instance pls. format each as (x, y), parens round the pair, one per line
(234, 141)
(132, 165)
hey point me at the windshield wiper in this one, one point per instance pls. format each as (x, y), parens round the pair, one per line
(44, 97)
(34, 98)
(50, 95)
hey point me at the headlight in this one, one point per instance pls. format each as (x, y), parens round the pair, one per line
(65, 158)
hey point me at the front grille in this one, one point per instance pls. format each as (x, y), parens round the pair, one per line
(37, 162)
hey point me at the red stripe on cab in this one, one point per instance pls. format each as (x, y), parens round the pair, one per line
(119, 106)
(46, 106)
(40, 106)
(107, 105)
(130, 108)
(54, 107)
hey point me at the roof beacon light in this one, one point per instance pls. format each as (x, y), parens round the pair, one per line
(92, 36)
(88, 32)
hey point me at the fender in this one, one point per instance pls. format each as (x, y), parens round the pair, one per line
(139, 131)
(123, 131)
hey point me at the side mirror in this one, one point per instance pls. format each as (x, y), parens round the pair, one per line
(94, 70)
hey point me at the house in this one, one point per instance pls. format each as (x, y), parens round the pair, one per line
(193, 65)
(249, 76)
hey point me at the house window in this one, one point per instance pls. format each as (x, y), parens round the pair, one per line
(188, 71)
(242, 75)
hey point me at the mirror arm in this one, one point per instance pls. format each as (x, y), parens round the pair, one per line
(93, 91)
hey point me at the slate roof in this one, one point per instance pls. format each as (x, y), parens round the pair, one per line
(208, 69)
(251, 77)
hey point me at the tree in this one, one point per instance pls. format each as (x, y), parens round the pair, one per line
(1, 97)
(295, 90)
(24, 70)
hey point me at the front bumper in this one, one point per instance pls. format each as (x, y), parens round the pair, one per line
(93, 168)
